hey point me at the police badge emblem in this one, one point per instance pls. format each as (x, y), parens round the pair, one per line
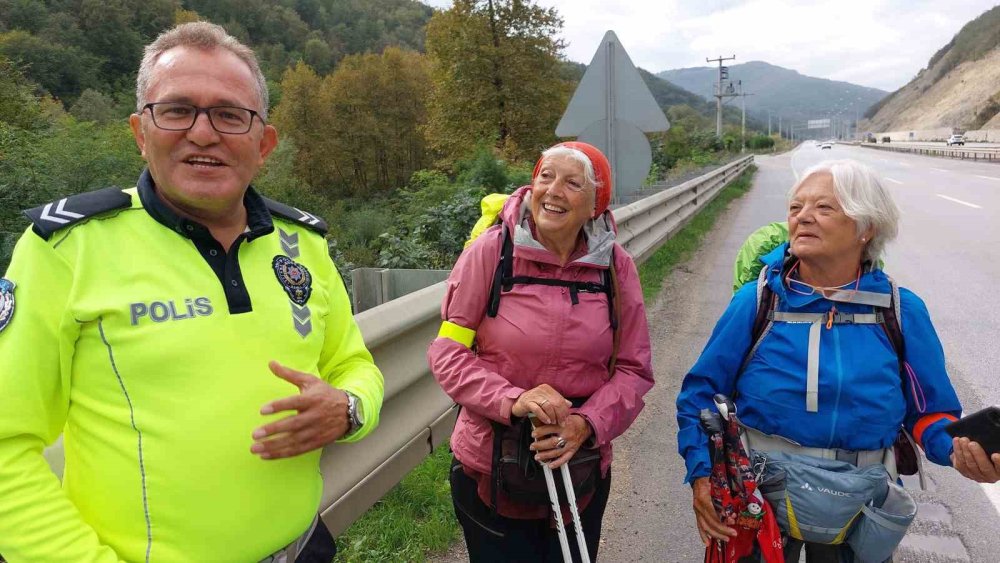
(294, 277)
(6, 302)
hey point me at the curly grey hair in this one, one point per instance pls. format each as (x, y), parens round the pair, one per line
(864, 198)
(203, 35)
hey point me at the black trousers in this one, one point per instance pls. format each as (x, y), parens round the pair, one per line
(491, 538)
(320, 548)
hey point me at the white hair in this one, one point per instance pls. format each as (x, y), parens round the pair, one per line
(203, 35)
(588, 167)
(863, 197)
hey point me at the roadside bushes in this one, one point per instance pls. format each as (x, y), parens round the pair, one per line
(760, 142)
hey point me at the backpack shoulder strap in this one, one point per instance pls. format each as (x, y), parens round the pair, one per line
(504, 269)
(766, 302)
(893, 325)
(614, 306)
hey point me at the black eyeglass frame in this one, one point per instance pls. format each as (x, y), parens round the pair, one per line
(200, 110)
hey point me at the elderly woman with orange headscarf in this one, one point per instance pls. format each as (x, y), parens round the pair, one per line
(543, 317)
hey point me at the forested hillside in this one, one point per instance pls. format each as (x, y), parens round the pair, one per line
(69, 46)
(394, 118)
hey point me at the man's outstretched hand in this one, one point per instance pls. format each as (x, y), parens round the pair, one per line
(320, 420)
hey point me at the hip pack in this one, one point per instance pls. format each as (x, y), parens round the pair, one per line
(833, 502)
(517, 475)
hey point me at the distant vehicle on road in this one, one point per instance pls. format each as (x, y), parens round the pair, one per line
(956, 140)
(826, 145)
(886, 139)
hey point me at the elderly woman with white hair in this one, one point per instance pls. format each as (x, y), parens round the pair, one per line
(807, 352)
(543, 316)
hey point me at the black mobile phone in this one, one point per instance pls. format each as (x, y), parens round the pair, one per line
(982, 427)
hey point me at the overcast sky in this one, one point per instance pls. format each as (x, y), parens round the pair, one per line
(877, 43)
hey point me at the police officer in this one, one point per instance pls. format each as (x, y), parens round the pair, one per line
(191, 339)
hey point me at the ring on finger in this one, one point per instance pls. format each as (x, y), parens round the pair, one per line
(543, 402)
(561, 442)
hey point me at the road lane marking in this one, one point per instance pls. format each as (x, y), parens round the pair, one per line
(893, 180)
(988, 177)
(972, 205)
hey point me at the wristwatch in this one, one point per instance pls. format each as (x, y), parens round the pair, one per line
(355, 413)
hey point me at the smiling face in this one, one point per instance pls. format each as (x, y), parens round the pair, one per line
(561, 199)
(202, 171)
(818, 228)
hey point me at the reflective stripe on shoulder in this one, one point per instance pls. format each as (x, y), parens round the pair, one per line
(925, 421)
(458, 333)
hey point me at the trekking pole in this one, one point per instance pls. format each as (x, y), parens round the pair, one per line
(581, 542)
(550, 483)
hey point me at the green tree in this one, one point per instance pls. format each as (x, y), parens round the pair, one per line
(61, 71)
(109, 34)
(318, 54)
(18, 105)
(496, 74)
(298, 116)
(28, 15)
(359, 130)
(95, 106)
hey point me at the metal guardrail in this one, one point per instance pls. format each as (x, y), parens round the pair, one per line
(988, 154)
(417, 416)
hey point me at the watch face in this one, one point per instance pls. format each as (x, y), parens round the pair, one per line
(359, 411)
(355, 411)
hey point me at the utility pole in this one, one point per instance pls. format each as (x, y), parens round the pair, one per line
(768, 123)
(743, 126)
(779, 125)
(719, 92)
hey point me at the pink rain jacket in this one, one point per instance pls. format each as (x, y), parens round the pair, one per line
(539, 336)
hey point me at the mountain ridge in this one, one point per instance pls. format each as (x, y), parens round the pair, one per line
(782, 91)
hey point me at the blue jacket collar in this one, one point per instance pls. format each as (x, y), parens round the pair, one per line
(778, 260)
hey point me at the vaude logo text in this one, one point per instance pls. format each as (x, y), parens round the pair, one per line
(833, 492)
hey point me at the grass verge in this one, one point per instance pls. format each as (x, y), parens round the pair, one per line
(414, 520)
(682, 245)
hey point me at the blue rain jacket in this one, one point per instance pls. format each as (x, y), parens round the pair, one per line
(862, 400)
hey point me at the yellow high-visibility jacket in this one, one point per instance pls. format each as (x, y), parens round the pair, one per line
(137, 336)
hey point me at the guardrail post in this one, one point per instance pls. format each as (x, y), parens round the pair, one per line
(367, 286)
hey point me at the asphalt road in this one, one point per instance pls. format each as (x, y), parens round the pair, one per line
(946, 252)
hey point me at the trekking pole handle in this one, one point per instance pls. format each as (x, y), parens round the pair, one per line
(725, 405)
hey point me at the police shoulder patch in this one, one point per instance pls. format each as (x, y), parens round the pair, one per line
(6, 302)
(49, 218)
(296, 215)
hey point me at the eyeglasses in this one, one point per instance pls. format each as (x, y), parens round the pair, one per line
(175, 116)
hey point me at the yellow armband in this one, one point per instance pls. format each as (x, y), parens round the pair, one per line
(458, 333)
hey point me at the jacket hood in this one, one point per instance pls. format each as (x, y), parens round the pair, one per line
(600, 233)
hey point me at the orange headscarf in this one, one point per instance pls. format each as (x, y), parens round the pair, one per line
(602, 172)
